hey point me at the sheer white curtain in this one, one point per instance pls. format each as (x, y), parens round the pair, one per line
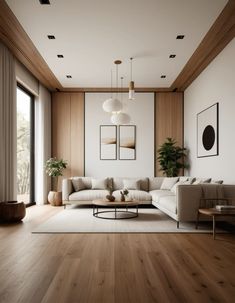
(42, 144)
(7, 125)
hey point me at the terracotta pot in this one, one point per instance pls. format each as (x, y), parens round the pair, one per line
(55, 198)
(12, 211)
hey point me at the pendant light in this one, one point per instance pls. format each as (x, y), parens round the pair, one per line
(131, 85)
(112, 105)
(120, 118)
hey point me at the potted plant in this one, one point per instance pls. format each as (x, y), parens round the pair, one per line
(171, 158)
(54, 168)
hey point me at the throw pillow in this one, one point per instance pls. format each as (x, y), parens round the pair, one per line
(78, 184)
(217, 181)
(173, 189)
(191, 179)
(131, 184)
(183, 179)
(201, 180)
(99, 183)
(155, 183)
(168, 183)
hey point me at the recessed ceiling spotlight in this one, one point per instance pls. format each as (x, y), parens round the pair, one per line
(69, 76)
(44, 2)
(50, 37)
(163, 76)
(172, 56)
(60, 56)
(180, 37)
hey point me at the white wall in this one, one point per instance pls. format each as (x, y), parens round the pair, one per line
(215, 84)
(141, 111)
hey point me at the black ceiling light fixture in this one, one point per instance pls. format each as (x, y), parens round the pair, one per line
(163, 76)
(172, 56)
(60, 56)
(69, 76)
(50, 37)
(180, 37)
(44, 2)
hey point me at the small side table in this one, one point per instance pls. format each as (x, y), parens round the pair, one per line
(213, 212)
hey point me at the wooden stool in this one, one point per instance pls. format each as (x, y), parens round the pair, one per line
(12, 211)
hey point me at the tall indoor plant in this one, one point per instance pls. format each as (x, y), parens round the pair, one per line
(54, 168)
(171, 158)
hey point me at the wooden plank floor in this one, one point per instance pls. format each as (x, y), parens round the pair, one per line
(113, 267)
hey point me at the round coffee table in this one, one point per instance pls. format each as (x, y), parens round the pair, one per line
(118, 214)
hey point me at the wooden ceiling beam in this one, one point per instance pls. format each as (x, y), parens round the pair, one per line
(219, 35)
(15, 38)
(108, 89)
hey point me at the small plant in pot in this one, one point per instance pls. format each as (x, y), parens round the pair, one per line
(54, 168)
(171, 158)
(124, 194)
(110, 196)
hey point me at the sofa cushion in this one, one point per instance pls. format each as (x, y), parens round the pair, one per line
(118, 183)
(85, 180)
(191, 179)
(173, 189)
(99, 183)
(168, 183)
(78, 184)
(88, 195)
(201, 180)
(169, 202)
(183, 178)
(131, 184)
(217, 181)
(155, 183)
(139, 195)
(157, 194)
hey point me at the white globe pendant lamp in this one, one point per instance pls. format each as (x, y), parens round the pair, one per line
(120, 118)
(112, 105)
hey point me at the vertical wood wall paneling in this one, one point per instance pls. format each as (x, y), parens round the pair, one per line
(77, 134)
(68, 131)
(168, 120)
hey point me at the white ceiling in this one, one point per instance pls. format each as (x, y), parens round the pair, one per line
(91, 34)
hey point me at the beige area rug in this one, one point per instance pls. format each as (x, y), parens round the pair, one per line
(150, 220)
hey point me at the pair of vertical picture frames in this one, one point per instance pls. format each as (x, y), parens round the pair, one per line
(121, 139)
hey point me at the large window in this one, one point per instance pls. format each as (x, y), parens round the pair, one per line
(25, 146)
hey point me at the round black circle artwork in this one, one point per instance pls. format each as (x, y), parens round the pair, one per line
(208, 137)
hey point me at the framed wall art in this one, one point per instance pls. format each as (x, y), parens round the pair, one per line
(127, 142)
(208, 132)
(108, 142)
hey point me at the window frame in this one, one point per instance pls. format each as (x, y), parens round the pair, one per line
(32, 145)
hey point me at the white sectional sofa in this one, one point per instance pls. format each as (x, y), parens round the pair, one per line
(177, 197)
